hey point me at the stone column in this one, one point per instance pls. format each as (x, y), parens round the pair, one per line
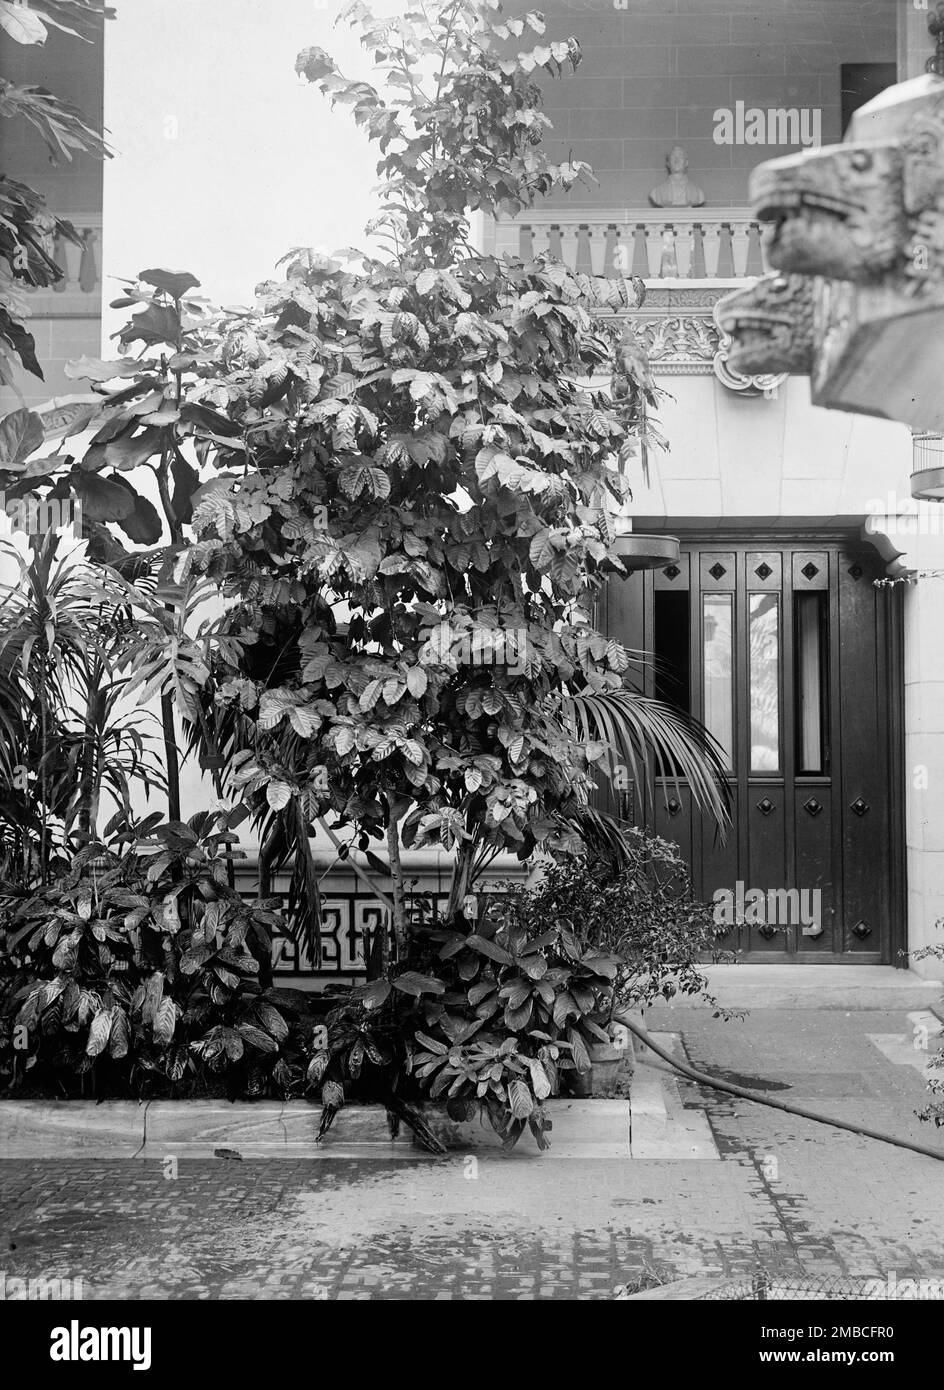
(924, 741)
(910, 538)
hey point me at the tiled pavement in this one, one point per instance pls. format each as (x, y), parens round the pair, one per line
(787, 1194)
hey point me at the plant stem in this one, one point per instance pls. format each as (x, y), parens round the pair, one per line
(167, 703)
(396, 875)
(357, 871)
(170, 754)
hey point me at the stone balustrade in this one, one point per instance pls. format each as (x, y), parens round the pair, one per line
(78, 293)
(710, 246)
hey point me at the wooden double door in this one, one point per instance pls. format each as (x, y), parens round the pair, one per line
(791, 655)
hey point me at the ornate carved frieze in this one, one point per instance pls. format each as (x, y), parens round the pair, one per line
(677, 339)
(692, 344)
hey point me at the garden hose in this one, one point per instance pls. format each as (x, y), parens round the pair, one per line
(743, 1094)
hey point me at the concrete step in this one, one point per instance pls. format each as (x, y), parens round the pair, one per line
(661, 1125)
(848, 987)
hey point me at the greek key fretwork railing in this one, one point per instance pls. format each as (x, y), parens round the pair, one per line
(347, 920)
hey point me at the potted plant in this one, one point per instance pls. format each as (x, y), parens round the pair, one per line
(611, 1062)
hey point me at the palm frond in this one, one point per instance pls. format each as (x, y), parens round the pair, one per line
(648, 736)
(283, 842)
(604, 837)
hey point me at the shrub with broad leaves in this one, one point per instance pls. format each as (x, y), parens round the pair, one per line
(138, 971)
(486, 1021)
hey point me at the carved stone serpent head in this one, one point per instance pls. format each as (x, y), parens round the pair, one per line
(837, 211)
(770, 325)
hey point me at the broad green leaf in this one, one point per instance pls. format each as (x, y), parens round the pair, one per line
(21, 24)
(411, 982)
(94, 369)
(21, 434)
(278, 795)
(484, 947)
(174, 283)
(519, 1099)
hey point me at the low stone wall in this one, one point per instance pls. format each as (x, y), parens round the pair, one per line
(161, 1129)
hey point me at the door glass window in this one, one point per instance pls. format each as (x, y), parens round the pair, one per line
(811, 683)
(718, 665)
(764, 666)
(673, 648)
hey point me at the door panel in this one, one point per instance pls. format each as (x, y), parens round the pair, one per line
(783, 651)
(673, 818)
(813, 821)
(864, 806)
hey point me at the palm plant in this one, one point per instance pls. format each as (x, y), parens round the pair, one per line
(66, 739)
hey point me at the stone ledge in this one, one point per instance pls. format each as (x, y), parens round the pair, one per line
(270, 1129)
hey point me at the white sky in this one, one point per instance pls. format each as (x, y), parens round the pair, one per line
(224, 157)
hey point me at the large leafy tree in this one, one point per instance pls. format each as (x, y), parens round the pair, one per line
(416, 517)
(28, 228)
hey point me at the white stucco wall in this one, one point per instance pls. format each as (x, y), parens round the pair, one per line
(739, 457)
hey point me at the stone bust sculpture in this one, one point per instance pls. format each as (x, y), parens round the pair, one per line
(678, 191)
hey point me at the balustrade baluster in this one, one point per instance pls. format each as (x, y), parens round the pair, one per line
(73, 266)
(568, 246)
(725, 269)
(598, 233)
(697, 269)
(88, 265)
(684, 240)
(540, 243)
(583, 260)
(755, 254)
(59, 257)
(641, 260)
(668, 259)
(711, 247)
(616, 254)
(740, 247)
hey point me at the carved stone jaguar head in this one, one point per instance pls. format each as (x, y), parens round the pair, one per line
(837, 211)
(771, 326)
